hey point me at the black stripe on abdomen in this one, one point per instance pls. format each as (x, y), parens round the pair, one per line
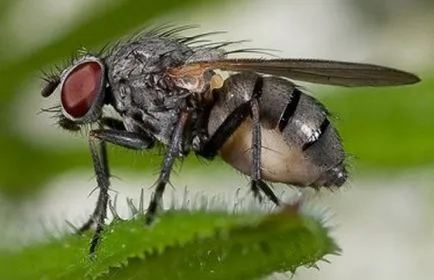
(289, 110)
(322, 128)
(257, 88)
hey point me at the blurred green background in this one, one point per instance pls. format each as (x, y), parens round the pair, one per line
(389, 132)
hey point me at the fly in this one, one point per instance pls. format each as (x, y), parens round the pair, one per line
(166, 89)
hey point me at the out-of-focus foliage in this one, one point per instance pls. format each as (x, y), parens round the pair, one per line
(387, 128)
(381, 12)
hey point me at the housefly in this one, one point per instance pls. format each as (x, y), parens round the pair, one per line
(168, 88)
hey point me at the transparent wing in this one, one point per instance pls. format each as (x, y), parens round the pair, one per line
(328, 72)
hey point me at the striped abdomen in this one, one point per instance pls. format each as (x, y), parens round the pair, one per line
(299, 145)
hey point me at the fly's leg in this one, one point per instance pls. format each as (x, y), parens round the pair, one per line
(116, 134)
(210, 148)
(98, 151)
(97, 144)
(174, 151)
(256, 184)
(255, 172)
(224, 131)
(126, 139)
(99, 158)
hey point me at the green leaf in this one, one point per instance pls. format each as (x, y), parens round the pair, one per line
(182, 245)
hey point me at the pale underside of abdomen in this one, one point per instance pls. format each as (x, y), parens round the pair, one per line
(280, 161)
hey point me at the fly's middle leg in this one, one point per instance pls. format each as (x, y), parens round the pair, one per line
(174, 151)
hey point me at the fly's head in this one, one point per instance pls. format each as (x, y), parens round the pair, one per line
(82, 87)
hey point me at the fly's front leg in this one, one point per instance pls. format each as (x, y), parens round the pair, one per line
(99, 158)
(174, 151)
(256, 183)
(114, 134)
(97, 144)
(98, 150)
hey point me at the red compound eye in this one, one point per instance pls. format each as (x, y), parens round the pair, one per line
(81, 87)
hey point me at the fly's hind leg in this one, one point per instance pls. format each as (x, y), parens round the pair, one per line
(210, 148)
(256, 183)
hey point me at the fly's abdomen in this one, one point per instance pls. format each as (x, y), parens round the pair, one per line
(299, 145)
(304, 126)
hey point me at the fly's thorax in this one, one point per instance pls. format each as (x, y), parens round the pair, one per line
(146, 55)
(141, 92)
(137, 71)
(299, 145)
